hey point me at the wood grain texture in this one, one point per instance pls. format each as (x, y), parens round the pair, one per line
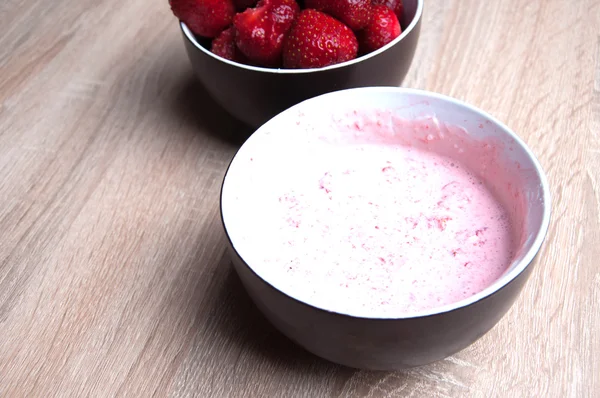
(113, 277)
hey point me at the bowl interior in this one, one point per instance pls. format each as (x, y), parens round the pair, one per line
(444, 125)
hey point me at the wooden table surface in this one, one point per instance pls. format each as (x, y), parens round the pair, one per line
(113, 276)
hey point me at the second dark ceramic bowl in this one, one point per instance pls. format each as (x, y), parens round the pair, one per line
(254, 95)
(405, 340)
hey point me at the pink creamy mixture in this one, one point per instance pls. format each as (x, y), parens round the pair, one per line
(373, 227)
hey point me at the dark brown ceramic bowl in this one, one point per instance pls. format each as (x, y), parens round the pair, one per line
(254, 95)
(375, 341)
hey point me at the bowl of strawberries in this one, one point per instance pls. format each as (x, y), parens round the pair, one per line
(257, 58)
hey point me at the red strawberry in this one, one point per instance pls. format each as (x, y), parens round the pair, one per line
(394, 5)
(224, 46)
(204, 17)
(318, 40)
(354, 13)
(261, 30)
(383, 29)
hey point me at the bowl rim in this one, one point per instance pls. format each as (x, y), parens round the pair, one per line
(495, 287)
(280, 71)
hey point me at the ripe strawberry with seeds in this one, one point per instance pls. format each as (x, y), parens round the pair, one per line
(318, 40)
(205, 18)
(261, 30)
(395, 5)
(354, 13)
(224, 46)
(383, 28)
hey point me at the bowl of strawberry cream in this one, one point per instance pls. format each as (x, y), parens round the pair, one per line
(384, 228)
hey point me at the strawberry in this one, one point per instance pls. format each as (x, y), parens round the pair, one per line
(224, 46)
(204, 17)
(318, 40)
(383, 28)
(261, 30)
(354, 13)
(394, 5)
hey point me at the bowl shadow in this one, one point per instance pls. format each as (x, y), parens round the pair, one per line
(192, 104)
(160, 86)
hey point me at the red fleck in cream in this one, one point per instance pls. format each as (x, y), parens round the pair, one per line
(368, 224)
